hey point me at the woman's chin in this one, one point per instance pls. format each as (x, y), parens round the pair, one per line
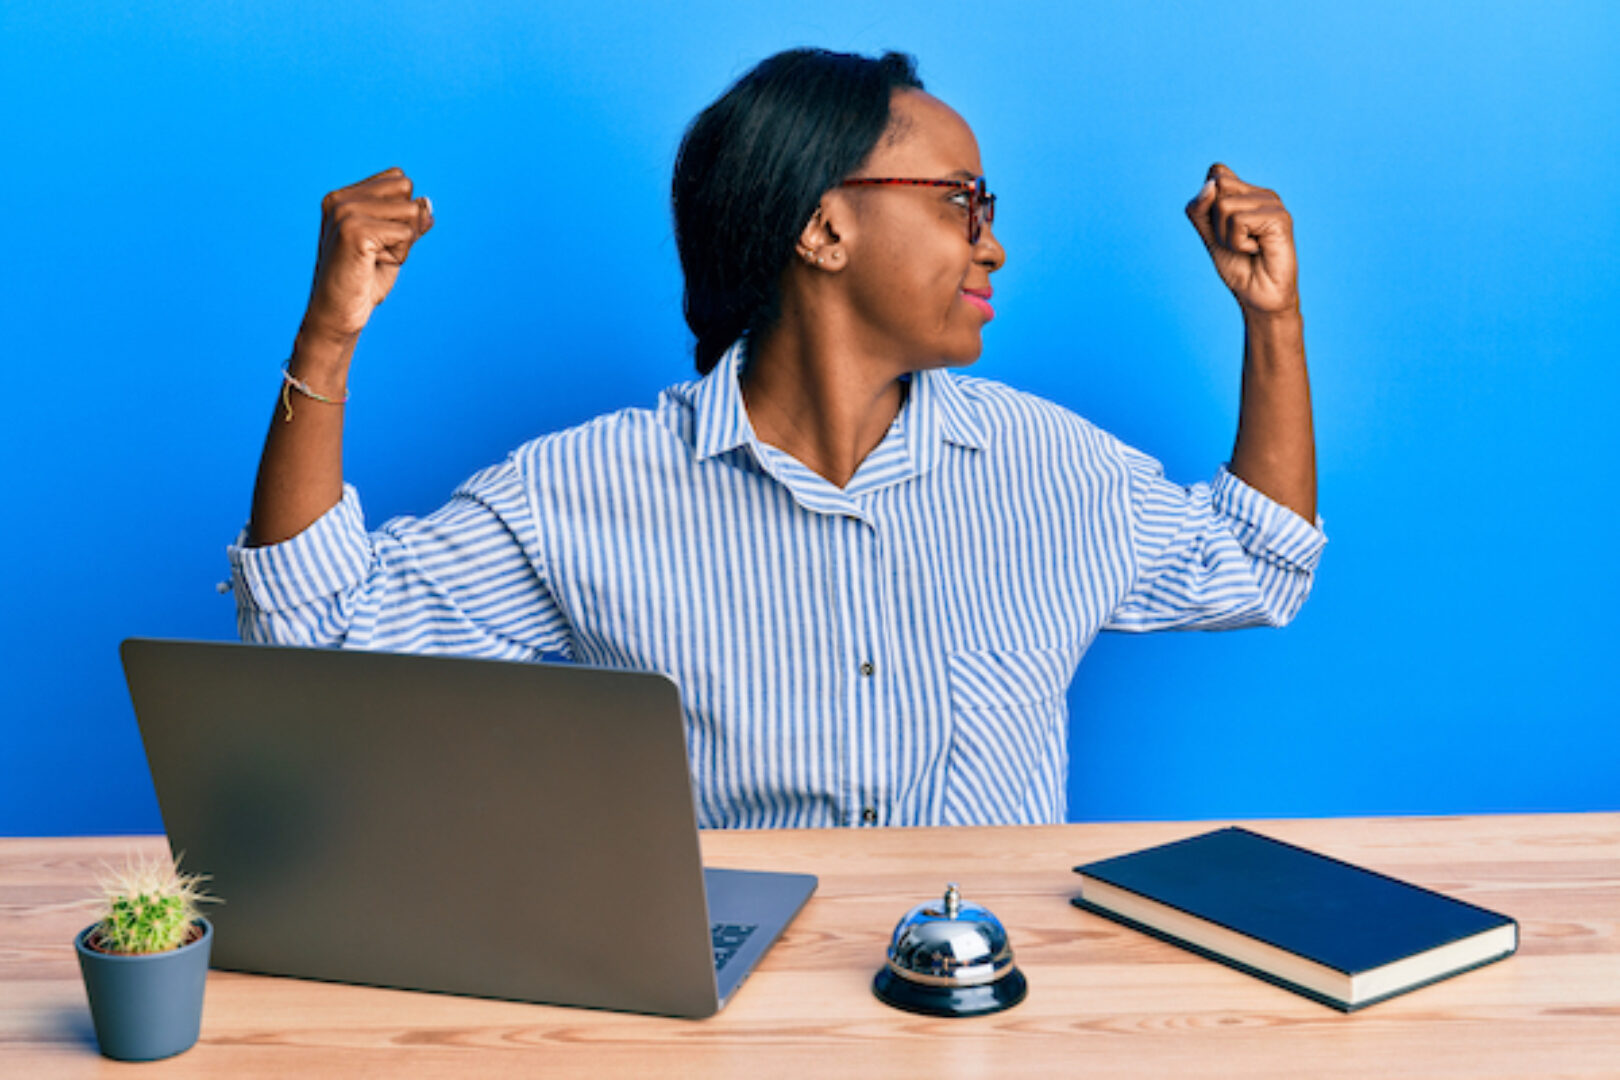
(968, 353)
(960, 348)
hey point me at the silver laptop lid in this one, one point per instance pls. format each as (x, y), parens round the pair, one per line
(509, 830)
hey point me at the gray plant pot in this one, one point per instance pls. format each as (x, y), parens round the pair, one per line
(146, 1007)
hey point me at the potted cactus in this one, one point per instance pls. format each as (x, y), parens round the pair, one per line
(145, 961)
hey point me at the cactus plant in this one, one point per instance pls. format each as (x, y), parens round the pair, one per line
(147, 907)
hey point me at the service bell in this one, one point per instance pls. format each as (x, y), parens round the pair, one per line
(950, 958)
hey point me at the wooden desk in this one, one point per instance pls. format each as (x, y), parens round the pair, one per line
(1104, 1001)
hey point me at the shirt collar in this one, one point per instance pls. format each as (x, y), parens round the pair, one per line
(721, 419)
(936, 410)
(941, 412)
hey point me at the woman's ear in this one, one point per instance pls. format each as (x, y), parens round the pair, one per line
(821, 242)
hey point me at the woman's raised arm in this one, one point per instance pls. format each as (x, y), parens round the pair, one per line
(367, 230)
(1250, 237)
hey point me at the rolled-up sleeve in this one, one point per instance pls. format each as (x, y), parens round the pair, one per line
(1212, 556)
(467, 579)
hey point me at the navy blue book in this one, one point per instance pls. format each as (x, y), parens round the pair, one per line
(1336, 933)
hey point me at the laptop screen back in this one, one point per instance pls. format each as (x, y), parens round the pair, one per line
(508, 830)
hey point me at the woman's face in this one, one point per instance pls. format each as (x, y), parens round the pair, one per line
(920, 291)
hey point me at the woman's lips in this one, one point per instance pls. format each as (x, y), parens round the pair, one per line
(980, 298)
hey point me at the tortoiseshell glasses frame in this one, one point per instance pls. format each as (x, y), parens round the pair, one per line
(981, 204)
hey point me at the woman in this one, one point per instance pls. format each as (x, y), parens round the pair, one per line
(871, 577)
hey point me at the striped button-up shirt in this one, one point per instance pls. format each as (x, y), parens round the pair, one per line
(892, 652)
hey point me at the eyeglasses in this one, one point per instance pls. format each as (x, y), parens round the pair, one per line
(981, 204)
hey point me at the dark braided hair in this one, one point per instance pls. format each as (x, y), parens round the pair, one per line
(752, 169)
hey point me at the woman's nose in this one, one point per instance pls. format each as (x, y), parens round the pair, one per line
(988, 252)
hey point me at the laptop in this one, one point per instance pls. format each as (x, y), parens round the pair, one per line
(509, 830)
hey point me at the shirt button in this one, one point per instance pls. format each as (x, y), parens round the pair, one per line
(869, 815)
(867, 668)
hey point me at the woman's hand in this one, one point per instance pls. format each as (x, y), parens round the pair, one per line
(367, 230)
(1251, 238)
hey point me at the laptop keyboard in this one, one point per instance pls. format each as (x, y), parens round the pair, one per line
(727, 939)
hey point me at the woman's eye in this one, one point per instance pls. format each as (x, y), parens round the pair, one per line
(962, 199)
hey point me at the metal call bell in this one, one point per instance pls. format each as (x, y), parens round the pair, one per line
(950, 958)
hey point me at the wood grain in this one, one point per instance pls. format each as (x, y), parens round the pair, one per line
(1104, 1001)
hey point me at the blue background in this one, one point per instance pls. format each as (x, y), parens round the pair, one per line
(1454, 174)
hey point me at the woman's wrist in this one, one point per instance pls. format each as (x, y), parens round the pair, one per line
(321, 360)
(1282, 319)
(1274, 336)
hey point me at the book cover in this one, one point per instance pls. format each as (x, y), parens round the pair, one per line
(1337, 933)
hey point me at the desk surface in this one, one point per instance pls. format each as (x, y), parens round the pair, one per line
(1104, 1001)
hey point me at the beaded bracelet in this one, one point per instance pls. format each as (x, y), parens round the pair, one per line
(290, 382)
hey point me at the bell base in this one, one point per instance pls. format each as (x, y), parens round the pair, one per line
(1004, 993)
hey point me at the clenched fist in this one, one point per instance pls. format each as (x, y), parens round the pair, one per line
(1251, 238)
(367, 230)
